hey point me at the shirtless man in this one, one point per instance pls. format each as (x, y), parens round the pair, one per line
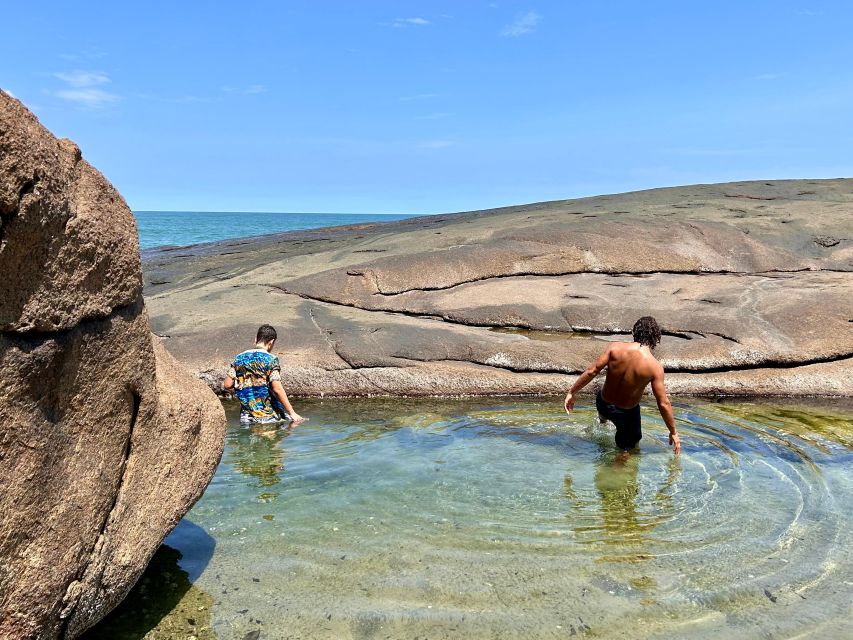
(630, 367)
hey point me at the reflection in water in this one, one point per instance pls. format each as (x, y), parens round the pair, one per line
(616, 482)
(256, 451)
(663, 498)
(624, 518)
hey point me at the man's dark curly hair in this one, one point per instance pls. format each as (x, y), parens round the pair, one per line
(646, 331)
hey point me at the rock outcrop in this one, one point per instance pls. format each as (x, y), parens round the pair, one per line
(751, 282)
(105, 440)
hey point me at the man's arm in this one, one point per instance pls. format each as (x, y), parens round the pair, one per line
(278, 391)
(665, 409)
(584, 379)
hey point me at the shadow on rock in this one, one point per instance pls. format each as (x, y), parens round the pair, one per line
(164, 604)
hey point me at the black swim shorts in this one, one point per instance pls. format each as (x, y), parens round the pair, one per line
(627, 421)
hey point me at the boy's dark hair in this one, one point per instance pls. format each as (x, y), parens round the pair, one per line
(646, 331)
(265, 334)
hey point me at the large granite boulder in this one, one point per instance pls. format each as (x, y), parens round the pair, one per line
(751, 282)
(105, 441)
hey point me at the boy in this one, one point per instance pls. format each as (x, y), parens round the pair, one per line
(256, 376)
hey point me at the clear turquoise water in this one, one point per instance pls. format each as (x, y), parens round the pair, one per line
(504, 518)
(160, 228)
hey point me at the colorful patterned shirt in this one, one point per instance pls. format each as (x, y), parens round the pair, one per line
(253, 371)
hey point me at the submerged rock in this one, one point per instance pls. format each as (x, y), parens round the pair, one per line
(105, 440)
(164, 605)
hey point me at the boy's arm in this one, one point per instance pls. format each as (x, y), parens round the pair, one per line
(665, 408)
(584, 379)
(274, 381)
(278, 390)
(228, 382)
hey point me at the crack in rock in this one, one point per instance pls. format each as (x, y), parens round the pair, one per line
(6, 218)
(75, 588)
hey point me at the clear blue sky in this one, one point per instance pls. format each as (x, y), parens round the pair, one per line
(424, 107)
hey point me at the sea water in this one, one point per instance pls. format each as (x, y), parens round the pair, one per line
(162, 228)
(506, 518)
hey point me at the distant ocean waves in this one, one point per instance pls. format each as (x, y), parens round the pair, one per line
(159, 228)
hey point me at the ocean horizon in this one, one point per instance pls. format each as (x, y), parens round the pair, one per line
(182, 228)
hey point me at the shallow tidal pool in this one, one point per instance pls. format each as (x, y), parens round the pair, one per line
(505, 518)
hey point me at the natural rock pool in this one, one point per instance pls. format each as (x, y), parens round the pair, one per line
(505, 518)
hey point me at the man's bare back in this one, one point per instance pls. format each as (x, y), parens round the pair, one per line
(630, 368)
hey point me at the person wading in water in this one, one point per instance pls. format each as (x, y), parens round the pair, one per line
(630, 367)
(255, 375)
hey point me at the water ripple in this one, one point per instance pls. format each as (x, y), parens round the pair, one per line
(475, 518)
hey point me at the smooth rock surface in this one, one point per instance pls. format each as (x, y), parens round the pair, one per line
(751, 282)
(105, 440)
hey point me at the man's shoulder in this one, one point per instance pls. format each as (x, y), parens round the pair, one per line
(269, 359)
(617, 347)
(654, 364)
(254, 355)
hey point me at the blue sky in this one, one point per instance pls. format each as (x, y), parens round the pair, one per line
(425, 107)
